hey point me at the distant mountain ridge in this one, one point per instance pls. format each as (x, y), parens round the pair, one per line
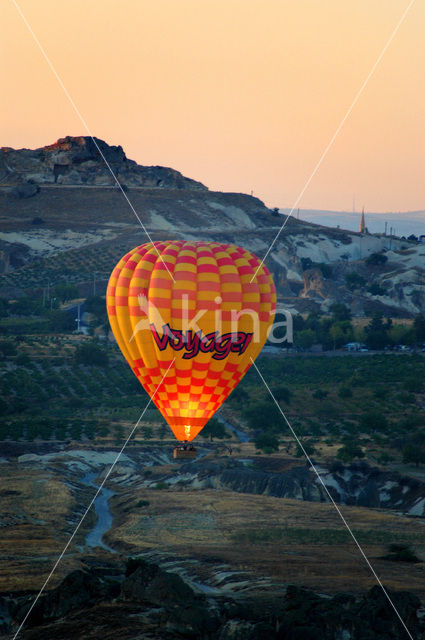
(404, 223)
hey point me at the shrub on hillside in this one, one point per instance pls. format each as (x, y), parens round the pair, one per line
(91, 354)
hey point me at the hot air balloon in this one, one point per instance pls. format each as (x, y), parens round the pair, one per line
(190, 317)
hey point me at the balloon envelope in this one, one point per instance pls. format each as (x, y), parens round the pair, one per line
(200, 310)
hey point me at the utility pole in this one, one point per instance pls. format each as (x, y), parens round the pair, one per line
(78, 320)
(386, 226)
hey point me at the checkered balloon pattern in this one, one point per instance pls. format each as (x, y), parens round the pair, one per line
(202, 311)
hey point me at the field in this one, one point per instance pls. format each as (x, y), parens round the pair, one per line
(289, 541)
(55, 402)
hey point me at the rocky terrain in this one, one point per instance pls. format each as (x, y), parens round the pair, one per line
(79, 161)
(62, 218)
(355, 484)
(265, 556)
(104, 600)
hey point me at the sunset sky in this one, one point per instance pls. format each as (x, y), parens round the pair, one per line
(239, 94)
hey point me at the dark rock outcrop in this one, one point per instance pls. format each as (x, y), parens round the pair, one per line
(78, 589)
(159, 605)
(356, 484)
(82, 161)
(184, 611)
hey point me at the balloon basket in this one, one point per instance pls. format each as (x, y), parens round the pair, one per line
(184, 452)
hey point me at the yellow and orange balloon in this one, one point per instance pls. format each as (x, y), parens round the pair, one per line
(193, 315)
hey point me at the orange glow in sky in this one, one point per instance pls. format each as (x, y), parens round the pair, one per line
(239, 94)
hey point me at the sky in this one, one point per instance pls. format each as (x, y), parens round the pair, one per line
(243, 95)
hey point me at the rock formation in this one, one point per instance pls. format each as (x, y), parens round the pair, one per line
(156, 604)
(78, 161)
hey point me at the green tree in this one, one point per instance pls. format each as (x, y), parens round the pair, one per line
(238, 395)
(349, 451)
(414, 385)
(345, 391)
(305, 339)
(309, 449)
(61, 321)
(373, 421)
(26, 306)
(65, 292)
(401, 334)
(376, 259)
(162, 431)
(91, 354)
(23, 360)
(267, 442)
(147, 432)
(7, 348)
(95, 305)
(354, 280)
(419, 326)
(4, 307)
(340, 311)
(412, 453)
(337, 335)
(4, 407)
(119, 434)
(263, 416)
(282, 394)
(376, 332)
(320, 394)
(214, 429)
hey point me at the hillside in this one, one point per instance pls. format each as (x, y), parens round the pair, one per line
(62, 218)
(241, 542)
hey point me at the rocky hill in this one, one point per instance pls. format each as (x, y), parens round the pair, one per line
(63, 218)
(79, 161)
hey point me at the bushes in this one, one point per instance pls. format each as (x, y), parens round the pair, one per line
(373, 421)
(267, 442)
(349, 451)
(376, 259)
(345, 392)
(282, 394)
(160, 486)
(354, 280)
(319, 394)
(61, 321)
(326, 269)
(308, 447)
(414, 385)
(401, 553)
(91, 354)
(264, 416)
(7, 348)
